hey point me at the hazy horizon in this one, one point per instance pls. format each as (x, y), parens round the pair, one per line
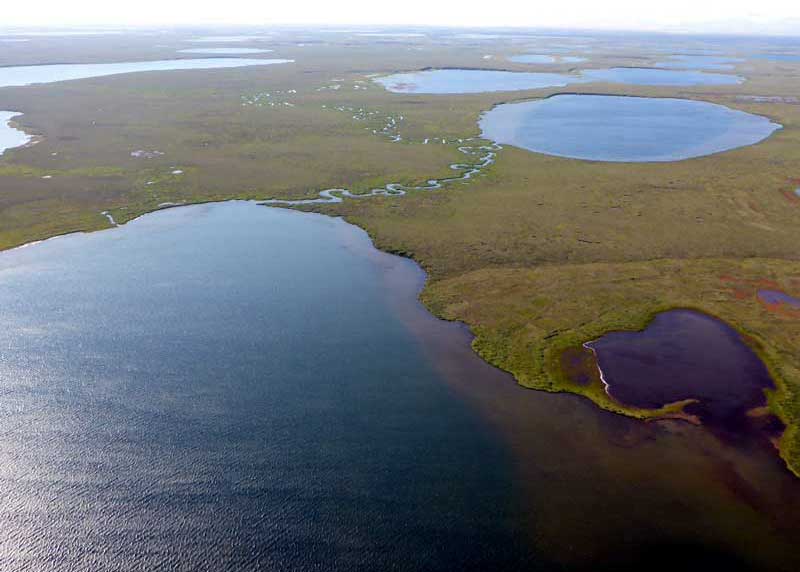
(769, 17)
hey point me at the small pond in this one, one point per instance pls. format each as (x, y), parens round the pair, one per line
(778, 298)
(684, 354)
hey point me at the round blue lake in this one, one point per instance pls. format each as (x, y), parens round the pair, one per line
(624, 129)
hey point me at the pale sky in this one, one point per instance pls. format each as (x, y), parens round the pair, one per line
(751, 16)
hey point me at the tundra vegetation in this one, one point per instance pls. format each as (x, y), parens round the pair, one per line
(537, 254)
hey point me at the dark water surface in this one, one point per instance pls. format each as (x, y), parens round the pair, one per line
(681, 355)
(623, 129)
(232, 387)
(778, 297)
(229, 387)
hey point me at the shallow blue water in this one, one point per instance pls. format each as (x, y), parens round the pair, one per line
(14, 76)
(533, 59)
(660, 77)
(9, 136)
(450, 81)
(225, 51)
(701, 62)
(791, 58)
(778, 297)
(470, 81)
(228, 39)
(545, 59)
(230, 387)
(614, 128)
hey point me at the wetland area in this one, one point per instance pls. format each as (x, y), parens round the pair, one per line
(433, 319)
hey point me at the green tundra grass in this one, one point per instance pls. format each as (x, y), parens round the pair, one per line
(537, 254)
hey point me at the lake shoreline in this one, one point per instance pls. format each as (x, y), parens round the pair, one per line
(673, 411)
(518, 414)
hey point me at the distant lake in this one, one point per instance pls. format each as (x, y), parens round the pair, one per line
(228, 51)
(790, 58)
(391, 34)
(698, 62)
(533, 59)
(9, 136)
(229, 39)
(545, 59)
(14, 76)
(454, 81)
(444, 81)
(615, 128)
(660, 77)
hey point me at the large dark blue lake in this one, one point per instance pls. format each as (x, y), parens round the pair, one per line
(616, 128)
(232, 387)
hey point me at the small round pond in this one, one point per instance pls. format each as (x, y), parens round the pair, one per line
(623, 129)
